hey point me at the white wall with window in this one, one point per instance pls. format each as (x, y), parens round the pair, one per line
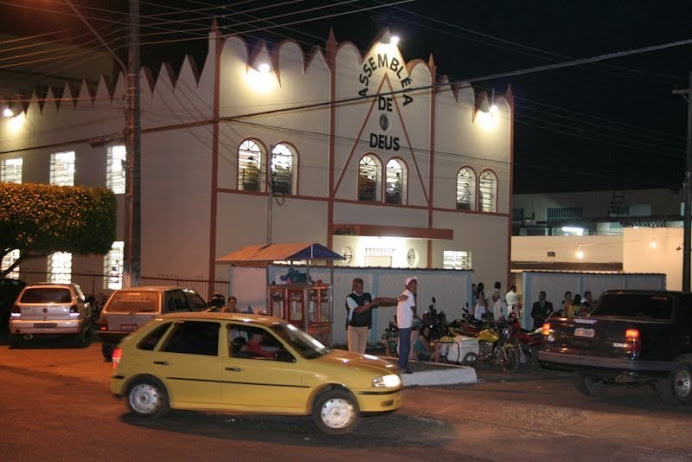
(456, 259)
(395, 182)
(60, 267)
(466, 184)
(250, 166)
(283, 170)
(116, 169)
(487, 191)
(7, 261)
(113, 266)
(62, 168)
(11, 170)
(369, 179)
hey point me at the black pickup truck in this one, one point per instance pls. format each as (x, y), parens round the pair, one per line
(630, 337)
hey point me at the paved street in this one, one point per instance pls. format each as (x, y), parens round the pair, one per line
(55, 404)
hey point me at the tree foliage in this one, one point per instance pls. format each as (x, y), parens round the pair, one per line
(39, 219)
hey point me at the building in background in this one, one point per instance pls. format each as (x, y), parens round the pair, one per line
(383, 160)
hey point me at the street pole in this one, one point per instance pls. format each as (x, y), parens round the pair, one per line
(688, 191)
(133, 243)
(132, 263)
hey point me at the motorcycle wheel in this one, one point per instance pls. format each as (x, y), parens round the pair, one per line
(509, 358)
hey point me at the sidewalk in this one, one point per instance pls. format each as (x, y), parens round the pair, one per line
(87, 364)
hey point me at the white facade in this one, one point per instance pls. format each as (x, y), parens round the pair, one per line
(322, 108)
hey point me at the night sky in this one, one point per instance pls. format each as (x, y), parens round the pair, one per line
(610, 125)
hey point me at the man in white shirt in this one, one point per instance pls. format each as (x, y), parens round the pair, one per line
(500, 309)
(405, 311)
(512, 300)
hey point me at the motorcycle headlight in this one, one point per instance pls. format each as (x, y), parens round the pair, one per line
(387, 381)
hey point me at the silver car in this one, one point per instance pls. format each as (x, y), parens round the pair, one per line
(128, 309)
(51, 310)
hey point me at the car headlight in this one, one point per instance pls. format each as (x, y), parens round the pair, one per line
(387, 381)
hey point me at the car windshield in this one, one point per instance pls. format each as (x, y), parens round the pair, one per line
(304, 344)
(652, 306)
(133, 302)
(46, 295)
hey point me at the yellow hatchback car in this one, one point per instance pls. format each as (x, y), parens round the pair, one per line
(248, 363)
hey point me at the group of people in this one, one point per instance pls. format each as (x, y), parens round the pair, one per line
(498, 307)
(231, 305)
(359, 306)
(570, 307)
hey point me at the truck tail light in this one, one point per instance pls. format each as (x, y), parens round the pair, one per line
(117, 356)
(546, 328)
(633, 338)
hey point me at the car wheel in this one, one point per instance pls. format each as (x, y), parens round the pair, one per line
(470, 359)
(15, 341)
(590, 386)
(147, 398)
(83, 339)
(677, 387)
(107, 351)
(335, 412)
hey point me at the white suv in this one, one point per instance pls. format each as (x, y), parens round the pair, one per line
(49, 310)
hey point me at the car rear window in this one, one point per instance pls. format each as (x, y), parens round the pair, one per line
(46, 295)
(133, 302)
(652, 306)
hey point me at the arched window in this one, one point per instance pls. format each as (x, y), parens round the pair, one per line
(369, 177)
(395, 183)
(466, 184)
(249, 166)
(487, 191)
(282, 171)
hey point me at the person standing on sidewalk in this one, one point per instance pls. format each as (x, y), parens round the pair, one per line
(359, 305)
(405, 311)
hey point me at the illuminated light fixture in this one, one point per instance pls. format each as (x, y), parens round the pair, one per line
(653, 244)
(394, 40)
(264, 68)
(573, 230)
(7, 112)
(580, 253)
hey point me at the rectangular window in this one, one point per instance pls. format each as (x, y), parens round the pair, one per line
(11, 170)
(60, 267)
(116, 169)
(456, 259)
(563, 213)
(7, 261)
(62, 168)
(113, 266)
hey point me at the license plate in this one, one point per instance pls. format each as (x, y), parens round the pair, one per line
(584, 332)
(128, 327)
(45, 325)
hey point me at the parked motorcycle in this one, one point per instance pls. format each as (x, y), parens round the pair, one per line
(390, 340)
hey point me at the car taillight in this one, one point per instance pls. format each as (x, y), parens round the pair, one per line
(546, 328)
(117, 356)
(74, 309)
(633, 338)
(103, 324)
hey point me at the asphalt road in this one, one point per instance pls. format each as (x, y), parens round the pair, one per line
(55, 405)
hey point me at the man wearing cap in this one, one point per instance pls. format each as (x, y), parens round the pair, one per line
(405, 311)
(359, 306)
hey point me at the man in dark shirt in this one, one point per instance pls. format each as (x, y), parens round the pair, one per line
(541, 310)
(359, 307)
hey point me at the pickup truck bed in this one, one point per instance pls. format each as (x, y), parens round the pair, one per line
(630, 337)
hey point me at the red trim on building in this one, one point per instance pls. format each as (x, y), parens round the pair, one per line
(214, 159)
(344, 229)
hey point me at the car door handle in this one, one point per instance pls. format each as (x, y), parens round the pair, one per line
(162, 363)
(233, 369)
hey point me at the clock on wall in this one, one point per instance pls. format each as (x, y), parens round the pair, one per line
(348, 254)
(411, 257)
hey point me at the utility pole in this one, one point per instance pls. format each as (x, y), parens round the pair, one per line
(132, 263)
(133, 243)
(688, 190)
